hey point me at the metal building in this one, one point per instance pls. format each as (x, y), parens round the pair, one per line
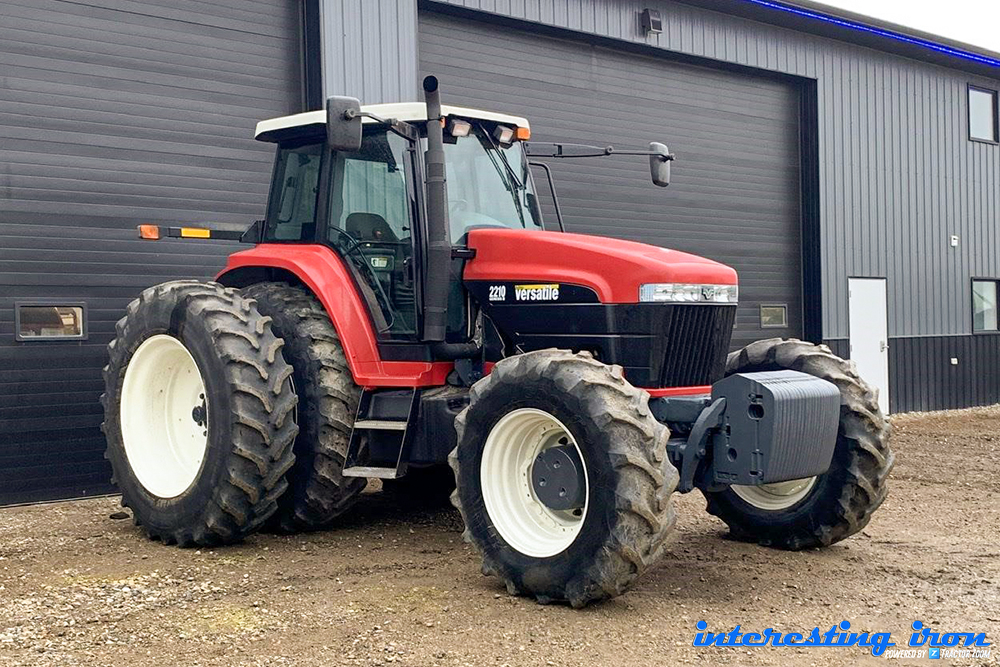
(849, 169)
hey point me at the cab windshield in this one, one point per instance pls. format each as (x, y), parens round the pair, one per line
(488, 184)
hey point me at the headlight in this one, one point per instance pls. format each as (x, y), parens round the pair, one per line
(688, 293)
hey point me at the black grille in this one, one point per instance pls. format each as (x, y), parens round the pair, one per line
(697, 343)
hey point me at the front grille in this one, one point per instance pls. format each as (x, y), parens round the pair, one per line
(697, 343)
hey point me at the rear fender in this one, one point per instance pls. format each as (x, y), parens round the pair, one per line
(324, 273)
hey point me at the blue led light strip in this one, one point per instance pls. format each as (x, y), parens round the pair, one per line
(940, 48)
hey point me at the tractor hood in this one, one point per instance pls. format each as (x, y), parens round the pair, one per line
(611, 267)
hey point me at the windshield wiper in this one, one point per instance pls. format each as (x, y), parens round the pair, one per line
(511, 182)
(513, 179)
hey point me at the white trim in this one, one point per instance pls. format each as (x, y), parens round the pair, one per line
(404, 111)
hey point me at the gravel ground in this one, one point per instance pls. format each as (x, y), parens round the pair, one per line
(395, 585)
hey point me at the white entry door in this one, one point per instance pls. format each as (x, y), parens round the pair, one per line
(869, 324)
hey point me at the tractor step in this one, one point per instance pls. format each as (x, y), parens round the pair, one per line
(382, 433)
(380, 425)
(371, 471)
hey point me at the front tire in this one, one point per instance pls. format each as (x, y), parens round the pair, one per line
(198, 413)
(552, 398)
(822, 510)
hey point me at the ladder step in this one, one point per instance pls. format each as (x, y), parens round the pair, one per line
(371, 471)
(380, 425)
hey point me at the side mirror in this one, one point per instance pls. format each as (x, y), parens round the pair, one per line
(343, 124)
(659, 164)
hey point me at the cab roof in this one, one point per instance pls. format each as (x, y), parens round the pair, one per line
(275, 129)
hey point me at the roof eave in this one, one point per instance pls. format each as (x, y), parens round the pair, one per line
(816, 18)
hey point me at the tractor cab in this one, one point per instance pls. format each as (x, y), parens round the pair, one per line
(367, 203)
(489, 182)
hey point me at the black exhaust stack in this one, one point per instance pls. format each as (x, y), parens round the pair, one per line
(438, 273)
(438, 231)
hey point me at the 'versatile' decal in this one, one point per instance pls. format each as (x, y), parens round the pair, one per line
(546, 292)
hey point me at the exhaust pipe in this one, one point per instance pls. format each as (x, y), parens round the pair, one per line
(438, 229)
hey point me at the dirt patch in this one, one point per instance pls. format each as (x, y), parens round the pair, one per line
(395, 585)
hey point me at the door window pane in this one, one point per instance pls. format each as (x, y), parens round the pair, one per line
(984, 305)
(370, 208)
(41, 322)
(983, 114)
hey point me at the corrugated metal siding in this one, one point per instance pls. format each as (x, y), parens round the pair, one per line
(922, 376)
(898, 175)
(116, 113)
(735, 191)
(369, 49)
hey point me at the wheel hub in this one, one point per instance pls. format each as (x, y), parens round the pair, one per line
(557, 478)
(198, 413)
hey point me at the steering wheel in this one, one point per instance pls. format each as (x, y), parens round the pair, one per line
(351, 245)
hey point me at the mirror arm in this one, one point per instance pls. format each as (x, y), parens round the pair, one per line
(534, 149)
(552, 189)
(404, 130)
(351, 114)
(583, 150)
(669, 157)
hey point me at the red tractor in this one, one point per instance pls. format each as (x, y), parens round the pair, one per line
(403, 308)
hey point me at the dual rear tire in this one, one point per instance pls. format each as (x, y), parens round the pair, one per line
(328, 401)
(201, 410)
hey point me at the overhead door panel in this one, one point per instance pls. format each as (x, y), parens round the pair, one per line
(735, 192)
(116, 113)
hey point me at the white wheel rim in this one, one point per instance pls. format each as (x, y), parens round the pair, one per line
(522, 520)
(776, 496)
(164, 444)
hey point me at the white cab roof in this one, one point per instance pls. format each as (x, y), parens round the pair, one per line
(405, 111)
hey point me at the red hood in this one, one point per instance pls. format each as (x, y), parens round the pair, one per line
(611, 267)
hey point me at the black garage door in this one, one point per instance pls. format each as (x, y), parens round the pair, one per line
(735, 195)
(116, 113)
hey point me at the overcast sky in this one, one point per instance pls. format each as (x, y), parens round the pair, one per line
(975, 22)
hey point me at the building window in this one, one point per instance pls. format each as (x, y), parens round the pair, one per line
(774, 316)
(982, 114)
(43, 321)
(984, 305)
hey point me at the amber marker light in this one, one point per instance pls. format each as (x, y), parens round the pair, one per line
(151, 232)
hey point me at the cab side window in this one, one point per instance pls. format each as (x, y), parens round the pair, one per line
(292, 212)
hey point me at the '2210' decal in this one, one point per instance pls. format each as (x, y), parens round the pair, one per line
(498, 292)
